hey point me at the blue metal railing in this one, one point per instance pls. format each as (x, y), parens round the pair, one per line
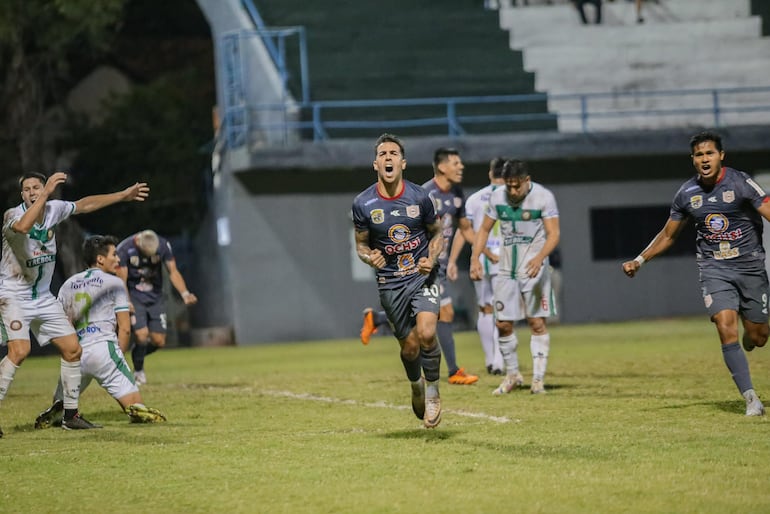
(274, 39)
(319, 119)
(322, 117)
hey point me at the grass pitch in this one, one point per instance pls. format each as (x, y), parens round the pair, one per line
(639, 417)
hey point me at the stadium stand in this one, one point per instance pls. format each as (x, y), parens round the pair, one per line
(682, 45)
(358, 51)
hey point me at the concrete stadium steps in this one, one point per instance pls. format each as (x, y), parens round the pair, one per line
(577, 34)
(676, 75)
(621, 12)
(699, 113)
(683, 44)
(574, 58)
(414, 50)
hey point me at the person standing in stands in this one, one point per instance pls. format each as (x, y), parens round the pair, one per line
(142, 256)
(580, 5)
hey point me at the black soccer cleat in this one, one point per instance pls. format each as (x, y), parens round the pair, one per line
(48, 417)
(78, 422)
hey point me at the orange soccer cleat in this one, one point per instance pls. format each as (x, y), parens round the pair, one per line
(368, 327)
(462, 378)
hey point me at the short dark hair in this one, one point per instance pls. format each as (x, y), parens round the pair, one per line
(704, 136)
(496, 166)
(32, 174)
(389, 138)
(514, 168)
(442, 154)
(97, 245)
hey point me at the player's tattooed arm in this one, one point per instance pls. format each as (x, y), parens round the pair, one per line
(373, 258)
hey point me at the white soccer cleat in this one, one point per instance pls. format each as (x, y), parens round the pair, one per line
(754, 406)
(509, 383)
(432, 412)
(537, 386)
(140, 378)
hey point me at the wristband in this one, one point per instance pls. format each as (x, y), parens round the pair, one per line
(641, 260)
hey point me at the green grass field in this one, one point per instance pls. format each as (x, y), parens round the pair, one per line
(639, 417)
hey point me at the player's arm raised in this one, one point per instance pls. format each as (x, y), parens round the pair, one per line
(137, 192)
(659, 244)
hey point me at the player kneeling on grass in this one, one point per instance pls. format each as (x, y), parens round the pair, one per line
(96, 303)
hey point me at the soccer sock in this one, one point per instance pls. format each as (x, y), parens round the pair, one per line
(137, 356)
(447, 341)
(738, 366)
(7, 371)
(412, 368)
(431, 388)
(539, 346)
(485, 325)
(70, 379)
(508, 345)
(150, 348)
(379, 318)
(431, 363)
(497, 363)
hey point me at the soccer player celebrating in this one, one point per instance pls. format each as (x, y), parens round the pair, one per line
(96, 302)
(727, 207)
(398, 234)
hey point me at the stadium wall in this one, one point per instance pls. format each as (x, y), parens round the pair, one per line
(291, 274)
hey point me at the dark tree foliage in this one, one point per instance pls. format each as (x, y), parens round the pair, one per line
(153, 135)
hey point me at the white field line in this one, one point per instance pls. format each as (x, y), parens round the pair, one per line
(381, 405)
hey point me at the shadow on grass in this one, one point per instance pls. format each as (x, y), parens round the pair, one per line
(420, 433)
(731, 407)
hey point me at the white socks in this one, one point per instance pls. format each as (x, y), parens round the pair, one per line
(539, 346)
(7, 371)
(485, 324)
(508, 345)
(70, 379)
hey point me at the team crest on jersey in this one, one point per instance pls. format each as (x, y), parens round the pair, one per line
(717, 222)
(458, 202)
(398, 233)
(378, 216)
(134, 261)
(696, 201)
(413, 211)
(728, 196)
(15, 324)
(526, 216)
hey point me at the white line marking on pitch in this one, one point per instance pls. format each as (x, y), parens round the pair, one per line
(381, 404)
